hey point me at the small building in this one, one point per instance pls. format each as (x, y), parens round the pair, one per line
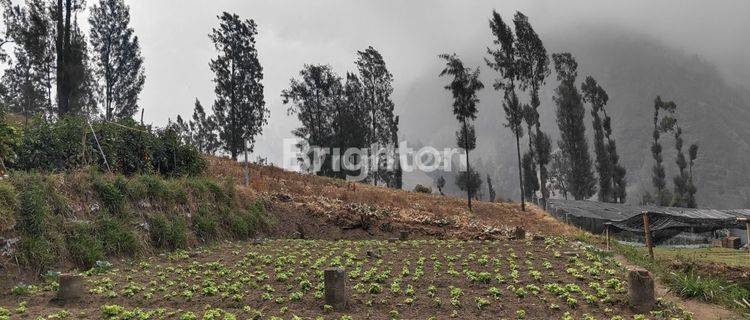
(668, 225)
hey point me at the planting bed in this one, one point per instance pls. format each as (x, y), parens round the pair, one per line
(283, 279)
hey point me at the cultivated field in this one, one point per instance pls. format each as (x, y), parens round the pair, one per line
(419, 279)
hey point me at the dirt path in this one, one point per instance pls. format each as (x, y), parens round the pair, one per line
(700, 310)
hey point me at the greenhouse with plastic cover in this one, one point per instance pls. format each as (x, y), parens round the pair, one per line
(668, 226)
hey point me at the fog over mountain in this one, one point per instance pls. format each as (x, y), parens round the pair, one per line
(692, 52)
(634, 69)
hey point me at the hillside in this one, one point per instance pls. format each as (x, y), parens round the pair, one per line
(45, 217)
(326, 208)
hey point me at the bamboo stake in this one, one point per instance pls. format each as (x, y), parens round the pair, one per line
(647, 234)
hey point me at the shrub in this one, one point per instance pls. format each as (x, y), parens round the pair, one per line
(128, 147)
(116, 236)
(155, 188)
(205, 224)
(111, 197)
(245, 223)
(172, 157)
(8, 205)
(83, 246)
(176, 193)
(219, 194)
(240, 224)
(34, 208)
(35, 251)
(422, 189)
(168, 236)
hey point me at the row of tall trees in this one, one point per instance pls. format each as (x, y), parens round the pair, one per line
(51, 57)
(683, 195)
(355, 111)
(519, 57)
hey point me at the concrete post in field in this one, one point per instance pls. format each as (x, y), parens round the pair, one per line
(71, 289)
(519, 233)
(641, 290)
(335, 288)
(403, 235)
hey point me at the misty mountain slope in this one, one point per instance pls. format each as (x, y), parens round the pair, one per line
(634, 69)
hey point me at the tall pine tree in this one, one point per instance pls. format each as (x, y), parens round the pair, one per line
(117, 54)
(533, 70)
(503, 60)
(681, 180)
(464, 87)
(315, 98)
(693, 154)
(203, 130)
(662, 123)
(570, 116)
(28, 80)
(239, 107)
(595, 95)
(377, 86)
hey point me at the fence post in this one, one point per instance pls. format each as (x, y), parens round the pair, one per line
(647, 234)
(606, 232)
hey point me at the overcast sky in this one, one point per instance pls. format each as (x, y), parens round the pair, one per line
(409, 34)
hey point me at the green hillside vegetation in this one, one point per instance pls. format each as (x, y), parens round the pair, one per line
(79, 218)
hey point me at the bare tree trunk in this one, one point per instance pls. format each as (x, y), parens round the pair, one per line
(520, 175)
(246, 170)
(468, 167)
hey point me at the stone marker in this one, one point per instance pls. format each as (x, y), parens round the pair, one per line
(71, 289)
(403, 235)
(641, 290)
(335, 288)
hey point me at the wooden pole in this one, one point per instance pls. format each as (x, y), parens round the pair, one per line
(606, 232)
(647, 234)
(747, 229)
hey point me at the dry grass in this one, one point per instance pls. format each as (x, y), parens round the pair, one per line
(325, 194)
